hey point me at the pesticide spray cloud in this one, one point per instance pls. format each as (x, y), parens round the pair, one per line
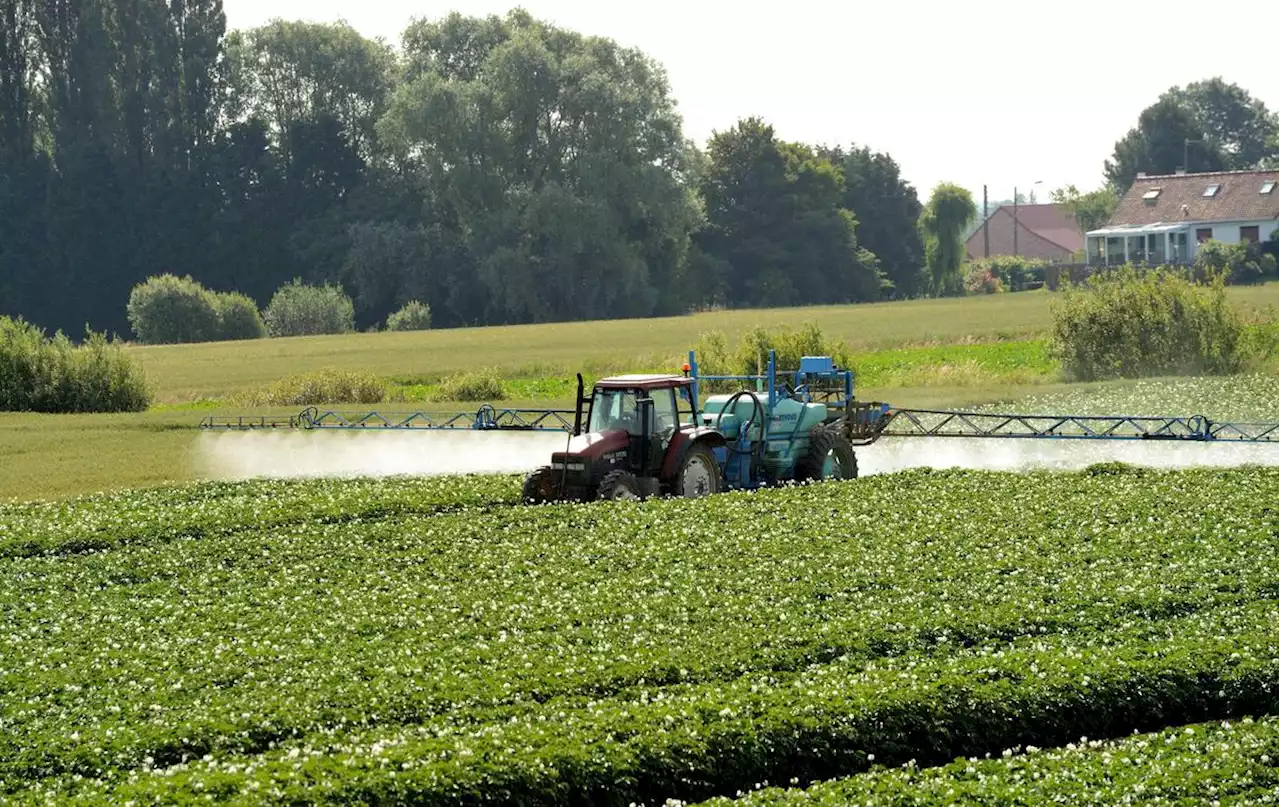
(247, 455)
(1018, 454)
(283, 455)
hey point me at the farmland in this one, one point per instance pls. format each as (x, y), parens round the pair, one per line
(346, 641)
(925, 353)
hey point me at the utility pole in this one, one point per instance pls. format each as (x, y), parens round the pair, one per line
(1015, 221)
(986, 239)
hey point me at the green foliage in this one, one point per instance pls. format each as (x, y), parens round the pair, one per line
(238, 317)
(166, 309)
(982, 280)
(1212, 125)
(321, 387)
(1225, 762)
(39, 374)
(412, 316)
(297, 309)
(751, 355)
(1092, 209)
(1015, 272)
(479, 385)
(949, 209)
(776, 232)
(1131, 324)
(1239, 263)
(356, 641)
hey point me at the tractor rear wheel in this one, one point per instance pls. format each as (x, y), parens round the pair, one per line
(540, 487)
(699, 474)
(830, 456)
(619, 486)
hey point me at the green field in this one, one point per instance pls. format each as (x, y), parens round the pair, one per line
(926, 353)
(433, 642)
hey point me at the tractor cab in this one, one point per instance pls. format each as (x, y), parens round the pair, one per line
(627, 441)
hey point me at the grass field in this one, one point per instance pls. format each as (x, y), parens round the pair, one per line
(928, 353)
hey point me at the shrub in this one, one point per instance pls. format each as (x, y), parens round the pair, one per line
(1015, 272)
(1130, 324)
(166, 309)
(301, 310)
(982, 280)
(238, 317)
(481, 385)
(39, 374)
(414, 316)
(1243, 264)
(752, 355)
(323, 387)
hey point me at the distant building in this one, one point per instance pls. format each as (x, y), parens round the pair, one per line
(1044, 231)
(1164, 219)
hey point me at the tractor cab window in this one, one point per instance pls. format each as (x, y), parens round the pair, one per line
(614, 409)
(665, 419)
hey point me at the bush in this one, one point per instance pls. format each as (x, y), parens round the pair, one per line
(414, 316)
(1015, 272)
(1243, 264)
(1130, 324)
(166, 309)
(238, 317)
(323, 387)
(301, 310)
(752, 354)
(38, 374)
(982, 280)
(482, 385)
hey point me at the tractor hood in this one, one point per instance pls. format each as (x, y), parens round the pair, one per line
(594, 445)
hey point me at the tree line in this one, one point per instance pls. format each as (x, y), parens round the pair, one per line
(499, 169)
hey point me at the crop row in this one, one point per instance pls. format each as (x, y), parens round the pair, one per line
(1208, 763)
(206, 510)
(306, 634)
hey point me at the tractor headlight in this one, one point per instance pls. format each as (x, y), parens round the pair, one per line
(572, 466)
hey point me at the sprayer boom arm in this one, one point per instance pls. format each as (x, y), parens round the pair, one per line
(884, 421)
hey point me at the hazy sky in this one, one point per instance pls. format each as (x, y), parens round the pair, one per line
(1002, 93)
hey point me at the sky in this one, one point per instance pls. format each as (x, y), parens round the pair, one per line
(1000, 93)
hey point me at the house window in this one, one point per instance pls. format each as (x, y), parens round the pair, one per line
(1155, 248)
(1137, 249)
(1115, 250)
(1151, 195)
(1178, 247)
(1249, 234)
(1267, 187)
(1212, 190)
(1203, 234)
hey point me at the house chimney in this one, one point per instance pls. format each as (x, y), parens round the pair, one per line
(1180, 171)
(1142, 175)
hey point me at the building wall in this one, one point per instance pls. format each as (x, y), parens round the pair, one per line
(1000, 233)
(1228, 232)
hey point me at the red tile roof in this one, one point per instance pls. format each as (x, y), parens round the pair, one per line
(1044, 231)
(1181, 198)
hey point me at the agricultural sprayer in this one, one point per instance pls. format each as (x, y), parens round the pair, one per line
(638, 436)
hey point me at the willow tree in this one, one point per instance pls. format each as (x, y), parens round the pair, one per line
(942, 226)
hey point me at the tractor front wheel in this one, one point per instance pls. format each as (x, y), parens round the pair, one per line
(699, 474)
(619, 486)
(540, 486)
(830, 456)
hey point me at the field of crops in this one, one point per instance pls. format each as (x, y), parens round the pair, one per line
(428, 640)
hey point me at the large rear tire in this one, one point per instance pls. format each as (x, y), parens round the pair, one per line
(619, 486)
(699, 474)
(540, 486)
(830, 456)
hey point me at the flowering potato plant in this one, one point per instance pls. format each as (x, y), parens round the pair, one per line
(358, 642)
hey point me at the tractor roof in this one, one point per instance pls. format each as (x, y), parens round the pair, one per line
(641, 381)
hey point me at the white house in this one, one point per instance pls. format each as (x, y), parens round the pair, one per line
(1164, 219)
